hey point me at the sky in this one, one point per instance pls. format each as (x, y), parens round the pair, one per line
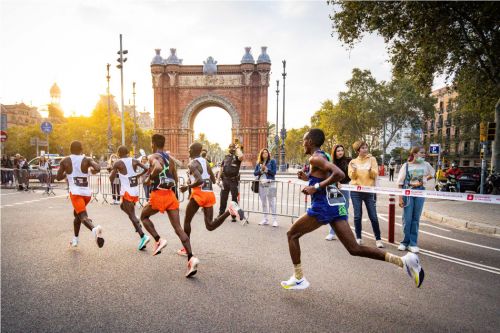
(71, 41)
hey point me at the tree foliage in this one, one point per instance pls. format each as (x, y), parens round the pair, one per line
(425, 38)
(293, 145)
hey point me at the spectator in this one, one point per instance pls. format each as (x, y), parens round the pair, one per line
(6, 164)
(392, 167)
(24, 178)
(342, 161)
(265, 171)
(17, 171)
(146, 187)
(413, 174)
(363, 171)
(115, 186)
(43, 166)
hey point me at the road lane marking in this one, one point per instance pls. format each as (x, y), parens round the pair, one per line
(422, 224)
(31, 201)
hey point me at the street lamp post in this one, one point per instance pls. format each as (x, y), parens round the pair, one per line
(110, 134)
(121, 61)
(276, 137)
(283, 129)
(134, 137)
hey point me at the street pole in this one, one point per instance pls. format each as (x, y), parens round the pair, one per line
(495, 151)
(276, 137)
(283, 130)
(484, 148)
(110, 133)
(48, 143)
(120, 66)
(134, 138)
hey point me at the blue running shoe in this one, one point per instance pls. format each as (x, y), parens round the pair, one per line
(143, 242)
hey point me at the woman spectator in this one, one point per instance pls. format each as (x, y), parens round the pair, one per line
(115, 187)
(43, 166)
(342, 161)
(363, 171)
(265, 171)
(413, 174)
(146, 187)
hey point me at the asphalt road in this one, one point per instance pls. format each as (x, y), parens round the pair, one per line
(49, 287)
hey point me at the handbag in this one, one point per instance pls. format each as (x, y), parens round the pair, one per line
(255, 185)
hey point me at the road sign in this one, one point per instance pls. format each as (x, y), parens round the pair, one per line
(3, 136)
(434, 149)
(46, 127)
(33, 142)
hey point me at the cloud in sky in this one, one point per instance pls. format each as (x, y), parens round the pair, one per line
(71, 41)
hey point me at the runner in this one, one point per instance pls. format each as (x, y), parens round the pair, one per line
(76, 168)
(163, 176)
(328, 207)
(129, 191)
(201, 181)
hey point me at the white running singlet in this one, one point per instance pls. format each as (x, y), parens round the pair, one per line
(78, 181)
(130, 181)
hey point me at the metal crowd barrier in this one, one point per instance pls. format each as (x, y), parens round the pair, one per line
(290, 201)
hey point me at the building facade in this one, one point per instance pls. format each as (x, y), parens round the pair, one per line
(19, 115)
(458, 144)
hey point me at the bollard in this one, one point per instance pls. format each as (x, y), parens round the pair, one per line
(392, 213)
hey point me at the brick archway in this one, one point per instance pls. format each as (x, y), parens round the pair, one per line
(182, 91)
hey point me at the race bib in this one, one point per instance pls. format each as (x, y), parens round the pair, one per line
(81, 181)
(133, 181)
(334, 196)
(207, 186)
(166, 183)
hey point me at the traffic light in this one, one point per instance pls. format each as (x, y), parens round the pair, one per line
(482, 132)
(491, 131)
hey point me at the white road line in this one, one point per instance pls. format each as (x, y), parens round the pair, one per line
(461, 260)
(422, 224)
(460, 263)
(31, 201)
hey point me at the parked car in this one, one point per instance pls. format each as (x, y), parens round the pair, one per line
(470, 179)
(34, 172)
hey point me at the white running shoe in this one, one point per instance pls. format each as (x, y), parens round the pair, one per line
(359, 241)
(294, 284)
(330, 237)
(411, 264)
(192, 266)
(235, 210)
(97, 232)
(414, 249)
(379, 244)
(182, 252)
(402, 247)
(264, 222)
(275, 224)
(74, 242)
(159, 245)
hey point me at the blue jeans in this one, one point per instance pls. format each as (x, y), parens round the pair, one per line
(357, 201)
(411, 219)
(347, 196)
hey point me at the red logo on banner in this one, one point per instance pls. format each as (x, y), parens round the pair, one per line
(470, 196)
(407, 192)
(359, 188)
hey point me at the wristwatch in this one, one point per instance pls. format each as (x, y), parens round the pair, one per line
(317, 186)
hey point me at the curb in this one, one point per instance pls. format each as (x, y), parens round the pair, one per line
(476, 227)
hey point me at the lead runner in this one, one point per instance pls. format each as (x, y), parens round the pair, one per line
(328, 207)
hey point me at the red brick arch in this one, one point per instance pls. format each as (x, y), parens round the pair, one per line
(182, 91)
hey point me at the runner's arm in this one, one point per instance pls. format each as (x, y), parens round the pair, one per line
(61, 173)
(173, 170)
(95, 167)
(113, 173)
(136, 164)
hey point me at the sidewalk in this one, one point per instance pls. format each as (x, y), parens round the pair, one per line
(471, 216)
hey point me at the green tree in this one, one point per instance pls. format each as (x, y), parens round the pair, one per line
(293, 145)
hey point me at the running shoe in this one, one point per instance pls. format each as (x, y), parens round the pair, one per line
(182, 252)
(144, 240)
(97, 232)
(159, 245)
(264, 222)
(275, 224)
(330, 237)
(414, 249)
(235, 210)
(294, 284)
(74, 242)
(411, 264)
(192, 266)
(379, 244)
(402, 247)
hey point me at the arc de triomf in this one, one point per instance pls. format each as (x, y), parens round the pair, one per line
(182, 91)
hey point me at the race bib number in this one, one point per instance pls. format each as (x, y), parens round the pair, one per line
(133, 181)
(81, 181)
(166, 183)
(207, 186)
(334, 196)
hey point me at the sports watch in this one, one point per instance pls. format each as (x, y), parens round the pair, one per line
(317, 186)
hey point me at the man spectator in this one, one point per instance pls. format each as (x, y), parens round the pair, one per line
(455, 171)
(230, 176)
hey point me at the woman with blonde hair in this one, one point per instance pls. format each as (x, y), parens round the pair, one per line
(265, 171)
(413, 175)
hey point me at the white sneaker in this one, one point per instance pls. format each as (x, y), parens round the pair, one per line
(411, 264)
(379, 244)
(159, 245)
(275, 224)
(235, 210)
(402, 247)
(192, 266)
(264, 222)
(74, 242)
(294, 284)
(414, 249)
(359, 241)
(97, 232)
(330, 237)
